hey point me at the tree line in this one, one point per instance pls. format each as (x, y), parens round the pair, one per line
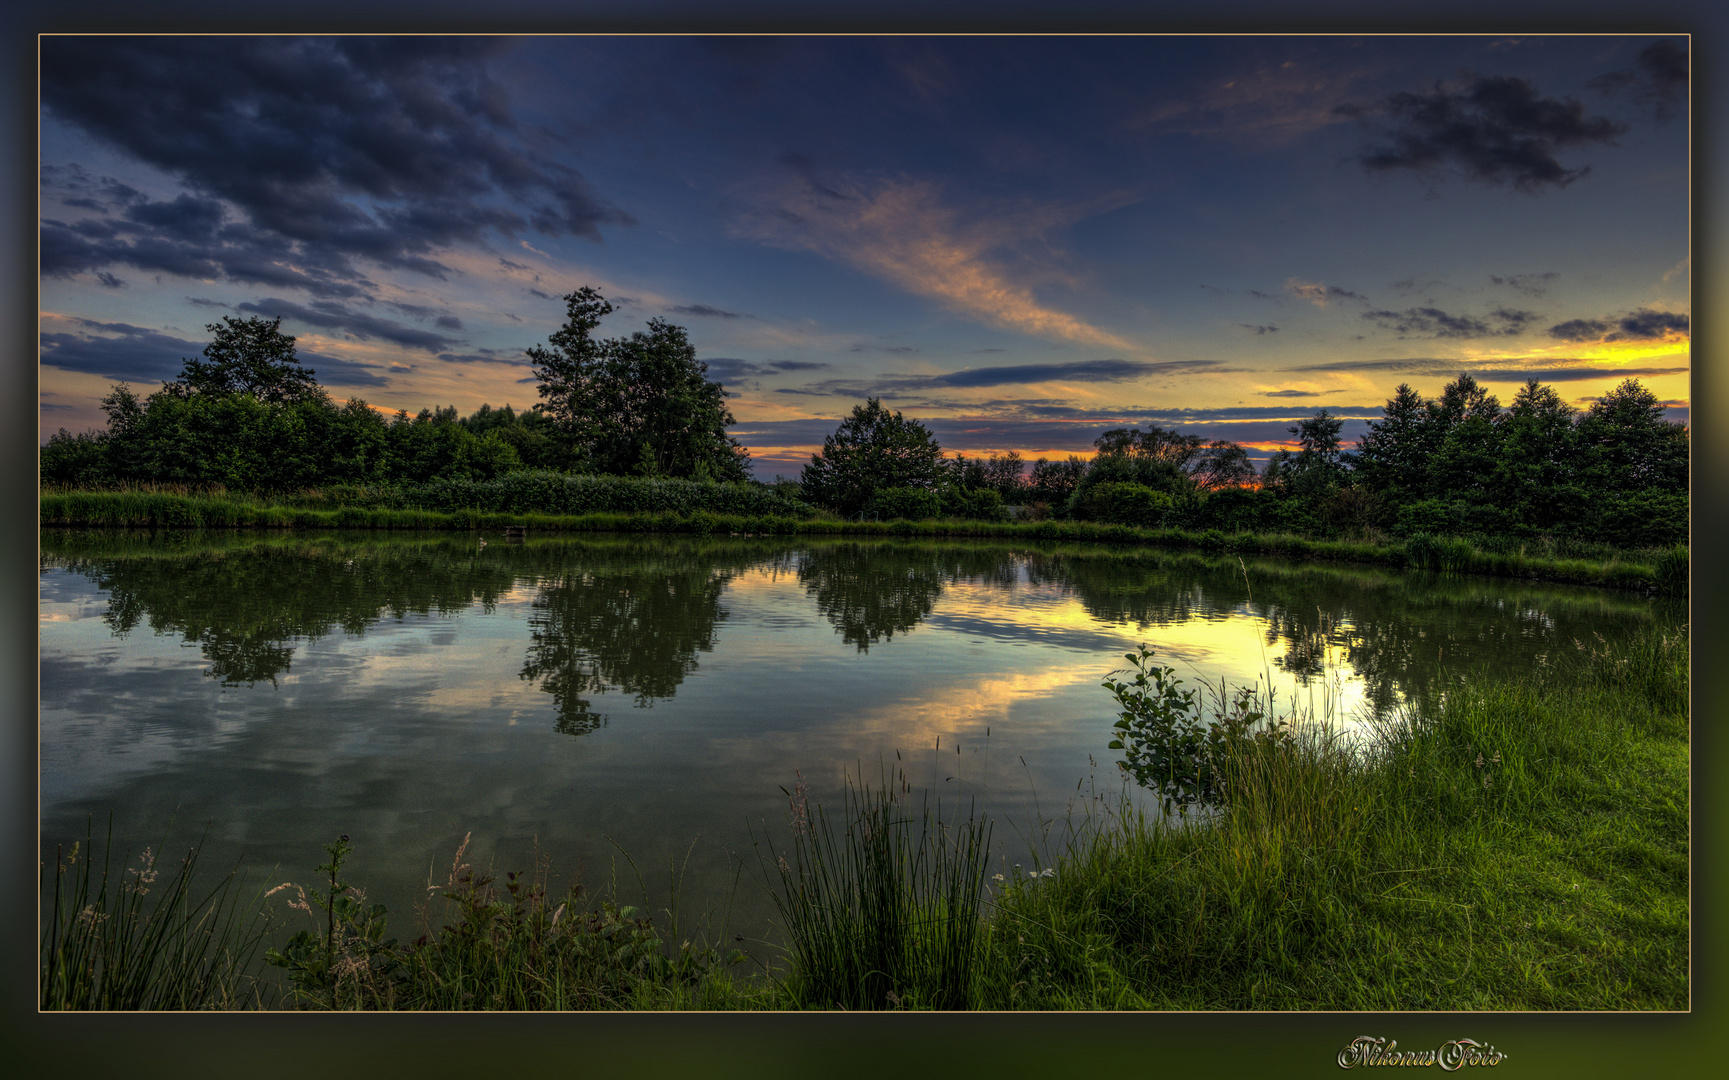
(1461, 464)
(247, 415)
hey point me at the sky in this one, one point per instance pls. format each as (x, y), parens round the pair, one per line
(1021, 242)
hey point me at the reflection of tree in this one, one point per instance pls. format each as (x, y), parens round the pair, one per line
(871, 592)
(245, 606)
(631, 622)
(1404, 634)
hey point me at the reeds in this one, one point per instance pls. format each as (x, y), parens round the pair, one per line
(883, 913)
(104, 945)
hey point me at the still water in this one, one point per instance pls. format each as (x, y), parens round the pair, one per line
(630, 705)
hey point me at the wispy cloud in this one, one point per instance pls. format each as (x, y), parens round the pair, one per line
(902, 232)
(1317, 294)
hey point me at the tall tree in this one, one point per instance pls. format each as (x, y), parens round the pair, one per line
(640, 405)
(872, 449)
(249, 356)
(1392, 455)
(576, 387)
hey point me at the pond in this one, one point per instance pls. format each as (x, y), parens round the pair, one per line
(630, 705)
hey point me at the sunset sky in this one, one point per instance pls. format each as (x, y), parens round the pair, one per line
(1021, 241)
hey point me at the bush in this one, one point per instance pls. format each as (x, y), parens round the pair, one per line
(1122, 504)
(983, 504)
(1643, 519)
(557, 493)
(913, 504)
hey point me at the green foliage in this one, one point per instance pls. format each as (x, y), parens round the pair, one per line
(885, 914)
(104, 946)
(250, 357)
(981, 504)
(640, 406)
(871, 450)
(910, 503)
(1121, 504)
(555, 493)
(1171, 746)
(344, 961)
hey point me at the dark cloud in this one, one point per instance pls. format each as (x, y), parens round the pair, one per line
(1496, 130)
(1569, 374)
(1259, 295)
(1529, 284)
(732, 371)
(315, 152)
(132, 354)
(1548, 369)
(136, 354)
(901, 387)
(1268, 329)
(1290, 393)
(1435, 323)
(537, 292)
(1074, 371)
(200, 301)
(899, 350)
(1072, 430)
(707, 312)
(329, 315)
(508, 265)
(110, 281)
(486, 356)
(1643, 324)
(1658, 78)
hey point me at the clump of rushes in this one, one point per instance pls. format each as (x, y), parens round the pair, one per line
(886, 914)
(121, 938)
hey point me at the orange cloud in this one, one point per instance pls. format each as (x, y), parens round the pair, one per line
(902, 233)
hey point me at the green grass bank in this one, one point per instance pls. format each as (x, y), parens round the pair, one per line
(1663, 571)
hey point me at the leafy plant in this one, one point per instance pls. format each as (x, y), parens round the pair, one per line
(346, 963)
(1170, 747)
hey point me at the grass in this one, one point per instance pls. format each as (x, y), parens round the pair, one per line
(104, 946)
(1523, 845)
(885, 913)
(179, 507)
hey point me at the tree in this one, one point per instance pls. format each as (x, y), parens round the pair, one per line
(641, 405)
(870, 450)
(575, 385)
(1317, 467)
(1391, 455)
(1627, 446)
(249, 356)
(1221, 465)
(1535, 474)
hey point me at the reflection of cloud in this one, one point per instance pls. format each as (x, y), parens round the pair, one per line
(902, 233)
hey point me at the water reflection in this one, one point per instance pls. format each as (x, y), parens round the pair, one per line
(409, 689)
(630, 621)
(871, 592)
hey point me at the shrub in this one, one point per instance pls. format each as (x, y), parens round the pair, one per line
(1122, 504)
(913, 504)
